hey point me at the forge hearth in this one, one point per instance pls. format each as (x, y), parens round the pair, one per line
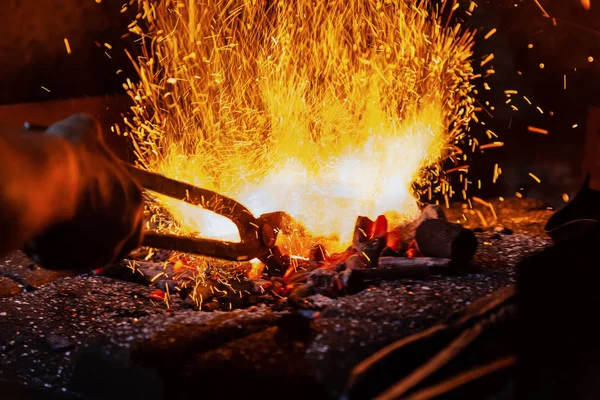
(428, 245)
(72, 335)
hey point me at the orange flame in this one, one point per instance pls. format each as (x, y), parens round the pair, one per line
(326, 110)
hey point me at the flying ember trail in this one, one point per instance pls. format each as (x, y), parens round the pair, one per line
(326, 110)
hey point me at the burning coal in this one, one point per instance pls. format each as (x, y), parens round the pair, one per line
(326, 110)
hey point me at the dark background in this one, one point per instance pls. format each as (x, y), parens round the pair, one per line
(33, 54)
(563, 44)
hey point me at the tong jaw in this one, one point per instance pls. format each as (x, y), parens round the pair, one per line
(257, 235)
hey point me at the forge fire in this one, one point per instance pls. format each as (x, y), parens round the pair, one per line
(324, 111)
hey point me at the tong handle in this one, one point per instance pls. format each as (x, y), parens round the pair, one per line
(158, 183)
(194, 195)
(205, 247)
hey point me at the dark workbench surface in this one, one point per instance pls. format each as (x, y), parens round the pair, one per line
(74, 335)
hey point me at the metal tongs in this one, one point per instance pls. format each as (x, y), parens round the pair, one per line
(257, 235)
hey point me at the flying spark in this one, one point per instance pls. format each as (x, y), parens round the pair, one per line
(318, 113)
(537, 130)
(535, 178)
(67, 46)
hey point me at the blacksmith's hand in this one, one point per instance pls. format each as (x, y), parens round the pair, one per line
(107, 219)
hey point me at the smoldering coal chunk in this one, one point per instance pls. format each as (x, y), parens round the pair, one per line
(442, 239)
(123, 272)
(201, 293)
(325, 282)
(317, 255)
(372, 250)
(299, 294)
(298, 277)
(389, 252)
(169, 285)
(370, 238)
(158, 274)
(362, 230)
(355, 261)
(259, 286)
(352, 282)
(333, 284)
(234, 294)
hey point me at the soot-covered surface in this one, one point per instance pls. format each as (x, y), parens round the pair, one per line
(96, 337)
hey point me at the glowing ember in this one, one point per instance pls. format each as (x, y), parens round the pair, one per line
(326, 110)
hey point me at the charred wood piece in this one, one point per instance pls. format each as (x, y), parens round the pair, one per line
(407, 232)
(394, 268)
(442, 239)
